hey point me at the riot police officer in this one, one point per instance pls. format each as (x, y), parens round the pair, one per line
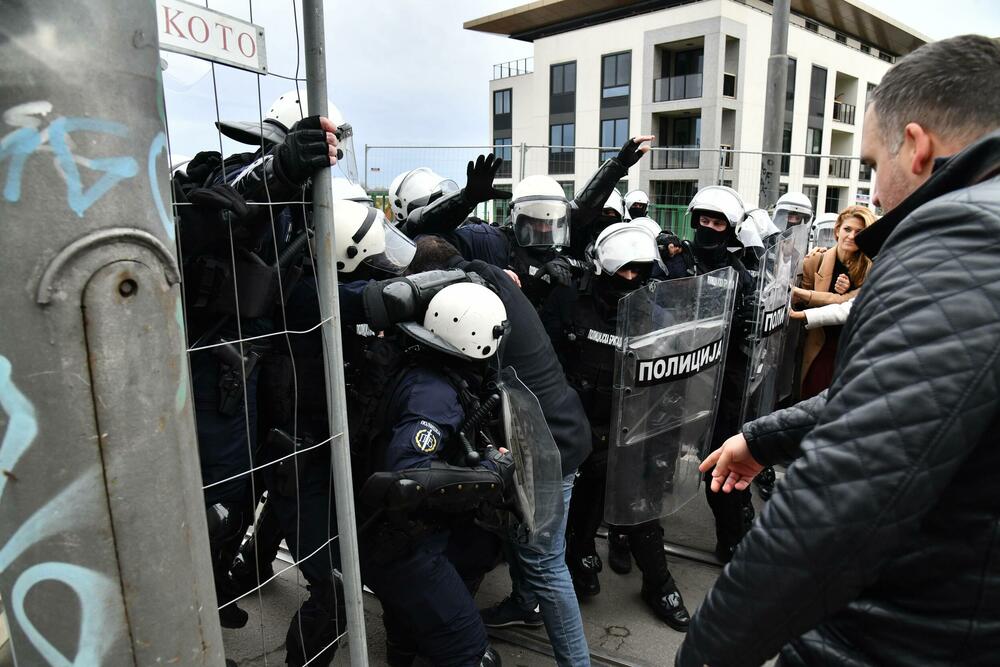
(636, 204)
(585, 337)
(715, 213)
(424, 478)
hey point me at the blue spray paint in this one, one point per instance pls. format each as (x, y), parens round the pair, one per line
(115, 168)
(22, 426)
(157, 147)
(17, 146)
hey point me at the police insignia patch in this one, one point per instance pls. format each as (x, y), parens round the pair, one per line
(426, 439)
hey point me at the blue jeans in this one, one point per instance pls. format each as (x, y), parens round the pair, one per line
(541, 578)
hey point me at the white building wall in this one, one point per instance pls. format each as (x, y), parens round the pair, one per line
(711, 20)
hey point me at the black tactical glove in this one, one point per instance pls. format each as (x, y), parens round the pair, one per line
(387, 302)
(557, 271)
(630, 153)
(665, 239)
(479, 180)
(746, 314)
(218, 198)
(503, 463)
(304, 151)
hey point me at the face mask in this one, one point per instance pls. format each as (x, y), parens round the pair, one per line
(708, 238)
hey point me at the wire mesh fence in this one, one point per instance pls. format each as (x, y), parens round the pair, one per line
(256, 353)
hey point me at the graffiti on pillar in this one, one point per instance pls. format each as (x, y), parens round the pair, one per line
(60, 516)
(31, 137)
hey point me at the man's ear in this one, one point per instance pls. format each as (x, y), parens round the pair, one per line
(921, 145)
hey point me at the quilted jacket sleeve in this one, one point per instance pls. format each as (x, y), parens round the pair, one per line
(916, 386)
(775, 438)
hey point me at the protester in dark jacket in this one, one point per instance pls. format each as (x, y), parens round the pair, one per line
(881, 544)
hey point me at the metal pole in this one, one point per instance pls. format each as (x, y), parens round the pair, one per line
(329, 302)
(104, 555)
(524, 151)
(774, 103)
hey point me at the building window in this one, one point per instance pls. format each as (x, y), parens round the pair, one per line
(668, 202)
(501, 207)
(812, 192)
(561, 140)
(884, 56)
(501, 102)
(786, 138)
(866, 49)
(814, 144)
(812, 26)
(863, 198)
(616, 74)
(502, 148)
(567, 187)
(614, 133)
(564, 78)
(833, 199)
(841, 38)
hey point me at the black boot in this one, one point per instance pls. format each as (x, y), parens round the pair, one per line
(318, 622)
(584, 566)
(733, 515)
(253, 565)
(619, 556)
(668, 605)
(491, 658)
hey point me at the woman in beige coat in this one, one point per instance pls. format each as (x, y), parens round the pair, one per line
(834, 276)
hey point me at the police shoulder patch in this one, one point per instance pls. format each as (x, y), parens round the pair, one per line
(427, 437)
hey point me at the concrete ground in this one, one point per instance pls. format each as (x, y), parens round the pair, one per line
(620, 631)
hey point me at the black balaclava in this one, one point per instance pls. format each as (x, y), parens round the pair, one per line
(710, 245)
(609, 288)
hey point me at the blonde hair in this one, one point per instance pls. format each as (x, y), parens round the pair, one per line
(857, 266)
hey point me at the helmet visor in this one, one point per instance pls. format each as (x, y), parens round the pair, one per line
(541, 222)
(398, 253)
(638, 210)
(348, 162)
(784, 218)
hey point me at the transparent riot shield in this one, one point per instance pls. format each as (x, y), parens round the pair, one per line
(791, 356)
(668, 378)
(538, 466)
(765, 344)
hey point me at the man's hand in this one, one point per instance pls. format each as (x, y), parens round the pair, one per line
(818, 250)
(220, 197)
(479, 180)
(842, 285)
(513, 276)
(634, 149)
(309, 146)
(735, 468)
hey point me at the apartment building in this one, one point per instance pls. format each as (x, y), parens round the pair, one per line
(691, 72)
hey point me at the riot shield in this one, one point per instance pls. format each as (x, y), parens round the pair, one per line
(791, 356)
(672, 338)
(537, 464)
(765, 345)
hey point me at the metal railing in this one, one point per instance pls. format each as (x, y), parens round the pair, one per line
(680, 87)
(840, 167)
(843, 113)
(514, 68)
(676, 157)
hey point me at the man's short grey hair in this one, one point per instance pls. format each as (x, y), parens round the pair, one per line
(950, 87)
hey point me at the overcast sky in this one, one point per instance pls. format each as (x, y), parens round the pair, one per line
(407, 73)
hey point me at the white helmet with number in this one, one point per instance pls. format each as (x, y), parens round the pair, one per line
(539, 212)
(344, 189)
(720, 202)
(362, 234)
(466, 320)
(616, 203)
(623, 243)
(793, 208)
(636, 203)
(415, 188)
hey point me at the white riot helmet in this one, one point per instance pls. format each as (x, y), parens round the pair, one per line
(755, 228)
(648, 224)
(718, 201)
(362, 234)
(822, 234)
(793, 208)
(616, 203)
(623, 243)
(415, 188)
(465, 320)
(288, 109)
(344, 189)
(539, 212)
(636, 204)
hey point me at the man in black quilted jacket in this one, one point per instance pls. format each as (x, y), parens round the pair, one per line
(882, 544)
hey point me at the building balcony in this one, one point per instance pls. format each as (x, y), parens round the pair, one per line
(676, 157)
(843, 113)
(728, 85)
(840, 167)
(680, 87)
(864, 172)
(513, 68)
